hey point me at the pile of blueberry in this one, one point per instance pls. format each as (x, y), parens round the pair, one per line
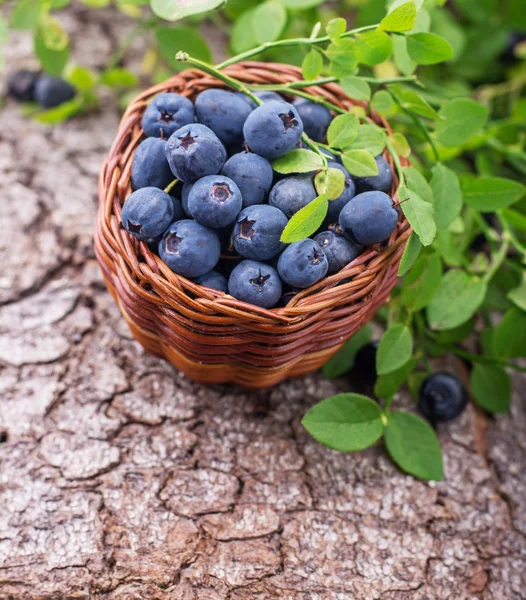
(33, 86)
(221, 224)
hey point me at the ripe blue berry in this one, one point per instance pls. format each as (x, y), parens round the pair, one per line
(253, 175)
(274, 128)
(147, 213)
(190, 249)
(256, 283)
(338, 250)
(224, 113)
(369, 218)
(21, 85)
(292, 193)
(149, 166)
(214, 201)
(213, 280)
(316, 118)
(268, 96)
(377, 183)
(195, 151)
(178, 209)
(185, 192)
(166, 114)
(258, 230)
(303, 264)
(53, 91)
(442, 397)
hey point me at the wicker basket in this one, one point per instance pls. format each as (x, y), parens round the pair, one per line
(210, 336)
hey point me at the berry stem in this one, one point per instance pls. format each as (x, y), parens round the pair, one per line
(310, 83)
(286, 89)
(397, 163)
(171, 185)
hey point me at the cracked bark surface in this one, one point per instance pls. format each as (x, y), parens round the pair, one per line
(121, 479)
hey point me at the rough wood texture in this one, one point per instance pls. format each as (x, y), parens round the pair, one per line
(120, 479)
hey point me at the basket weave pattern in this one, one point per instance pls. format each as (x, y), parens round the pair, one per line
(210, 336)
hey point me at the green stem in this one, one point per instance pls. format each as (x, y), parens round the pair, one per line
(498, 258)
(487, 360)
(285, 89)
(304, 83)
(511, 236)
(396, 160)
(171, 185)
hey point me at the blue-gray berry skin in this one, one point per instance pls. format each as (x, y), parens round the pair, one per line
(195, 151)
(442, 397)
(190, 249)
(147, 213)
(303, 264)
(382, 182)
(178, 209)
(292, 194)
(224, 113)
(338, 249)
(256, 283)
(368, 218)
(252, 174)
(149, 166)
(273, 129)
(268, 96)
(335, 206)
(53, 91)
(166, 114)
(213, 280)
(185, 192)
(215, 201)
(316, 118)
(258, 230)
(21, 85)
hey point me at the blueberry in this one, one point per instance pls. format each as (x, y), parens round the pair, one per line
(273, 129)
(166, 114)
(147, 213)
(185, 192)
(256, 283)
(442, 397)
(335, 206)
(292, 193)
(316, 118)
(253, 175)
(213, 280)
(224, 112)
(190, 249)
(303, 264)
(377, 183)
(369, 218)
(195, 151)
(268, 96)
(258, 230)
(338, 250)
(287, 294)
(364, 367)
(178, 209)
(21, 85)
(149, 166)
(215, 201)
(53, 91)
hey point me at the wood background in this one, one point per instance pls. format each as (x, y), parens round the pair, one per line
(121, 479)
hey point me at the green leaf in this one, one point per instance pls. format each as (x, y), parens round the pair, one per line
(345, 422)
(26, 14)
(119, 78)
(387, 385)
(298, 161)
(173, 39)
(491, 387)
(509, 337)
(82, 79)
(306, 221)
(342, 131)
(373, 47)
(518, 295)
(343, 360)
(52, 61)
(428, 48)
(172, 10)
(456, 301)
(300, 4)
(419, 213)
(422, 283)
(383, 103)
(462, 119)
(330, 182)
(447, 196)
(343, 57)
(359, 163)
(414, 102)
(370, 138)
(416, 182)
(491, 193)
(411, 253)
(312, 65)
(53, 34)
(335, 28)
(395, 349)
(413, 445)
(401, 18)
(356, 88)
(401, 58)
(515, 218)
(269, 20)
(60, 113)
(400, 144)
(242, 35)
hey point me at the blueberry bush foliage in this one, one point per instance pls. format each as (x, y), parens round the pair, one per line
(450, 79)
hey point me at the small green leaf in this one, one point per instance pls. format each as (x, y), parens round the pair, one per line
(414, 383)
(383, 103)
(373, 47)
(298, 161)
(342, 131)
(395, 349)
(60, 113)
(413, 445)
(370, 138)
(300, 4)
(422, 283)
(447, 196)
(312, 65)
(26, 14)
(400, 144)
(173, 39)
(509, 337)
(418, 183)
(491, 193)
(82, 79)
(356, 88)
(330, 182)
(401, 58)
(461, 118)
(411, 253)
(335, 28)
(343, 360)
(306, 221)
(360, 163)
(456, 301)
(119, 78)
(387, 385)
(53, 34)
(419, 213)
(343, 57)
(172, 10)
(428, 48)
(414, 102)
(401, 18)
(242, 35)
(491, 387)
(518, 295)
(345, 422)
(52, 61)
(269, 20)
